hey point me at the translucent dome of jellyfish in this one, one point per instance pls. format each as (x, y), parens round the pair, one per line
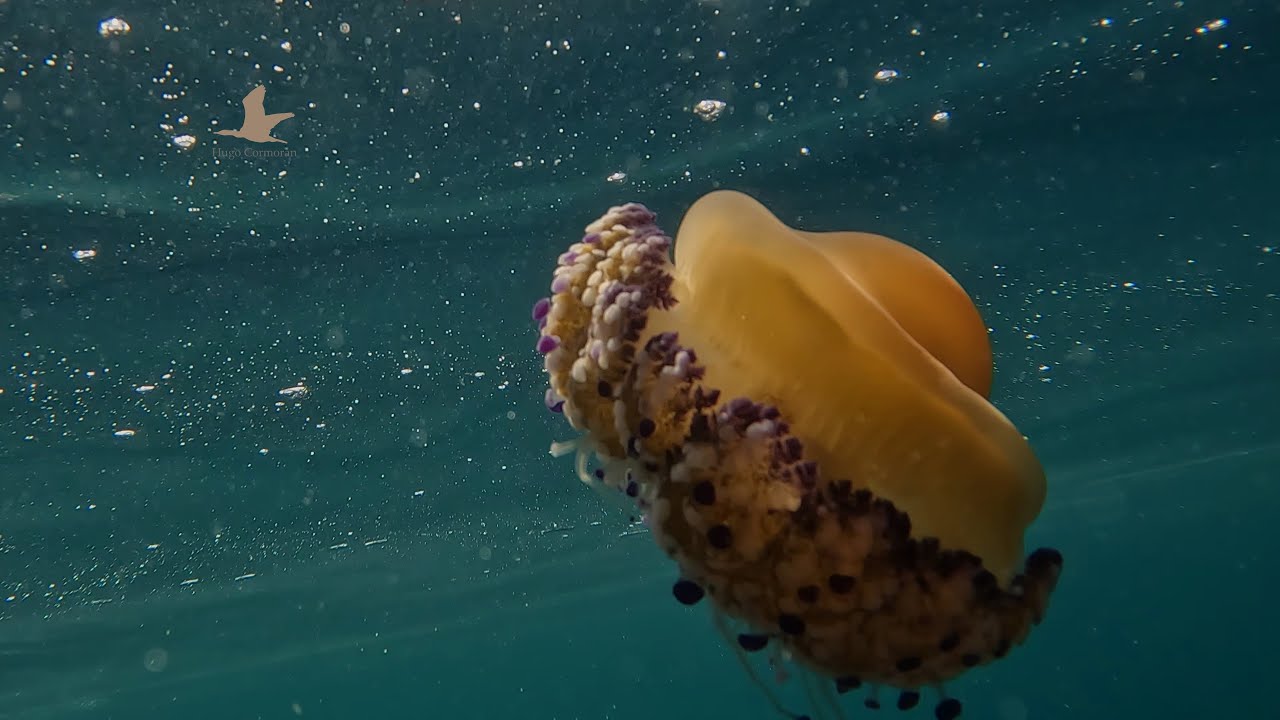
(802, 418)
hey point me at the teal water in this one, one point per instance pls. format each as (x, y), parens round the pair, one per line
(183, 533)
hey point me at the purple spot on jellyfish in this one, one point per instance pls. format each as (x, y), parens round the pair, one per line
(541, 308)
(547, 343)
(554, 402)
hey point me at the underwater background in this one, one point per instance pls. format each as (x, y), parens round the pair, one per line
(272, 436)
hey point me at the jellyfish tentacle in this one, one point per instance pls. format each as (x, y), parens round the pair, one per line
(722, 627)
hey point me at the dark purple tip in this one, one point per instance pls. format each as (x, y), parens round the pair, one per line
(591, 239)
(646, 427)
(547, 343)
(541, 308)
(553, 402)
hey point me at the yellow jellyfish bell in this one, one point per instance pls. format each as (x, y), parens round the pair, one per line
(803, 418)
(875, 356)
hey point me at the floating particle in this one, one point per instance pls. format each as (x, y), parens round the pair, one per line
(618, 177)
(185, 142)
(1211, 26)
(886, 75)
(155, 660)
(709, 110)
(113, 27)
(125, 433)
(942, 117)
(295, 392)
(344, 28)
(83, 255)
(335, 337)
(420, 437)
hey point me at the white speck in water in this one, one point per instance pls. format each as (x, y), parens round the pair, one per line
(886, 75)
(709, 110)
(155, 660)
(419, 437)
(1211, 26)
(335, 337)
(113, 27)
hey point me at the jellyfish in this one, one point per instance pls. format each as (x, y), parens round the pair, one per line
(803, 420)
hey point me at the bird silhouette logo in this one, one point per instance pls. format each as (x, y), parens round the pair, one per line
(257, 123)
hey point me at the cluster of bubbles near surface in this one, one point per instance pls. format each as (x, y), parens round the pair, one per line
(802, 418)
